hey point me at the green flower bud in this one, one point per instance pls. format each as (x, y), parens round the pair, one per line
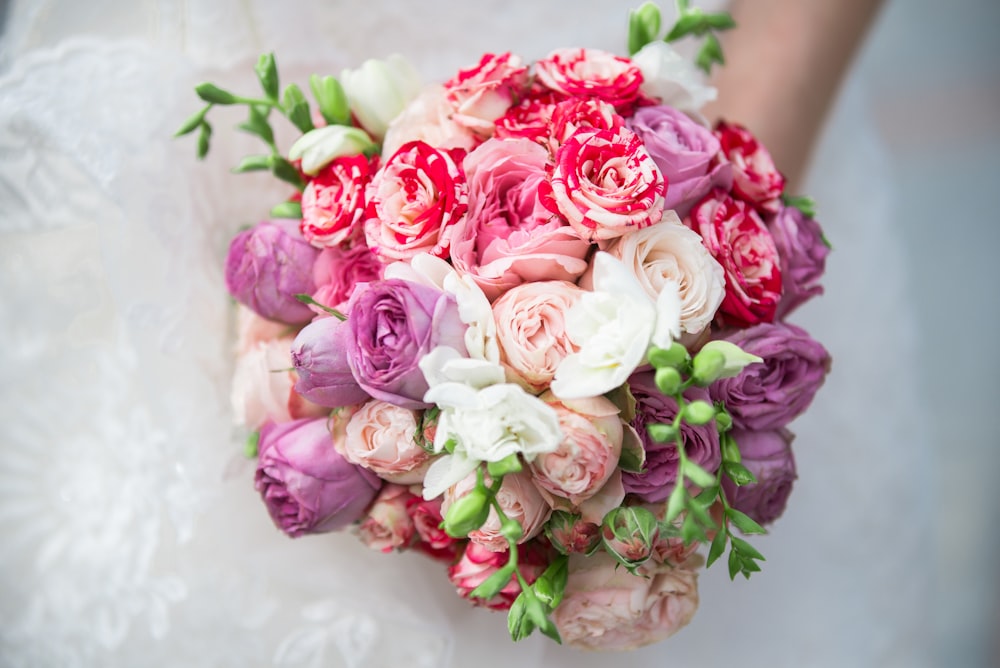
(723, 420)
(662, 433)
(668, 380)
(509, 464)
(699, 412)
(467, 513)
(676, 356)
(707, 367)
(734, 357)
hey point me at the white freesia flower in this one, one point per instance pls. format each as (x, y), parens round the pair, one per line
(613, 326)
(379, 90)
(317, 148)
(671, 78)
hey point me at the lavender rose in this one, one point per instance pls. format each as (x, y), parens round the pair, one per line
(770, 394)
(393, 324)
(701, 443)
(768, 455)
(307, 486)
(267, 266)
(319, 354)
(803, 252)
(686, 153)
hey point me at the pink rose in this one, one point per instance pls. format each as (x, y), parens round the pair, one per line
(605, 184)
(333, 203)
(508, 237)
(388, 527)
(337, 271)
(482, 94)
(413, 201)
(591, 73)
(428, 118)
(519, 499)
(736, 236)
(530, 118)
(478, 563)
(607, 608)
(531, 329)
(379, 437)
(755, 178)
(589, 452)
(433, 540)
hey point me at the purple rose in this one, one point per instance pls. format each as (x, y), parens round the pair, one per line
(770, 394)
(803, 252)
(686, 153)
(319, 354)
(393, 324)
(701, 443)
(307, 486)
(768, 455)
(266, 267)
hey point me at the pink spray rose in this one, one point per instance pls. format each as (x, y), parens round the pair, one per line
(388, 526)
(482, 94)
(531, 329)
(333, 203)
(307, 486)
(607, 608)
(591, 73)
(478, 563)
(803, 252)
(768, 455)
(736, 236)
(508, 237)
(569, 532)
(755, 178)
(605, 184)
(337, 271)
(413, 202)
(380, 437)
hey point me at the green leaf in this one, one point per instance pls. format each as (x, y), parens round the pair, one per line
(675, 504)
(253, 163)
(492, 585)
(700, 514)
(688, 23)
(267, 74)
(717, 548)
(287, 210)
(745, 549)
(551, 585)
(550, 630)
(258, 125)
(720, 21)
(738, 473)
(633, 455)
(735, 564)
(286, 171)
(697, 474)
(518, 623)
(213, 94)
(309, 301)
(691, 531)
(708, 495)
(331, 98)
(709, 54)
(297, 108)
(192, 123)
(203, 139)
(743, 522)
(643, 26)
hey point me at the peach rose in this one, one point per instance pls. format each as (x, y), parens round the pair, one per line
(380, 437)
(518, 498)
(531, 329)
(607, 608)
(388, 525)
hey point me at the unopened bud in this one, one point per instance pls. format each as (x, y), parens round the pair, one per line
(699, 412)
(668, 380)
(467, 513)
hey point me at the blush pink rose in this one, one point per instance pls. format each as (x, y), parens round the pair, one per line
(380, 437)
(508, 237)
(478, 563)
(531, 329)
(755, 178)
(736, 236)
(519, 499)
(337, 271)
(413, 202)
(428, 118)
(588, 453)
(388, 526)
(333, 203)
(605, 184)
(607, 608)
(591, 73)
(482, 94)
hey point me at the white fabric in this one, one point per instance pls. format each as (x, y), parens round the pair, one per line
(131, 534)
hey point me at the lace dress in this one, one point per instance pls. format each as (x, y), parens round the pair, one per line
(131, 531)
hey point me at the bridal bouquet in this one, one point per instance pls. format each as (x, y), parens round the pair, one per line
(531, 322)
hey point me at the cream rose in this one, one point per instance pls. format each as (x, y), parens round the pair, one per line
(380, 437)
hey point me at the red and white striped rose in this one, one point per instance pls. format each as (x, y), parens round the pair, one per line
(591, 73)
(482, 94)
(333, 203)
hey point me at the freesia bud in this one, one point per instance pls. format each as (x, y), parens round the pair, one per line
(734, 358)
(699, 412)
(707, 366)
(318, 148)
(629, 534)
(668, 380)
(676, 355)
(379, 90)
(467, 513)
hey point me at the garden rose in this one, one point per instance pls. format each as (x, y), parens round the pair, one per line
(768, 455)
(803, 252)
(267, 265)
(306, 485)
(336, 273)
(428, 118)
(701, 443)
(508, 237)
(755, 178)
(393, 324)
(770, 394)
(605, 184)
(607, 608)
(478, 563)
(736, 236)
(671, 78)
(319, 355)
(413, 201)
(333, 203)
(379, 90)
(687, 154)
(531, 329)
(388, 527)
(591, 73)
(380, 437)
(482, 94)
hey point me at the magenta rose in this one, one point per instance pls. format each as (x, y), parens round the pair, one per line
(413, 202)
(307, 486)
(591, 73)
(482, 94)
(393, 324)
(736, 236)
(508, 237)
(686, 153)
(755, 178)
(605, 184)
(768, 455)
(267, 266)
(337, 271)
(319, 355)
(803, 252)
(701, 443)
(333, 203)
(770, 394)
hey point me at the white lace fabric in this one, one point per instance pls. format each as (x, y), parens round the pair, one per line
(131, 532)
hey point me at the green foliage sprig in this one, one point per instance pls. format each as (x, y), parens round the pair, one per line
(644, 27)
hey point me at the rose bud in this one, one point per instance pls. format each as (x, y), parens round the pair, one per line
(267, 266)
(388, 526)
(629, 535)
(570, 533)
(768, 455)
(307, 486)
(320, 358)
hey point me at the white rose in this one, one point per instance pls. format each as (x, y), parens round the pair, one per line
(671, 78)
(379, 90)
